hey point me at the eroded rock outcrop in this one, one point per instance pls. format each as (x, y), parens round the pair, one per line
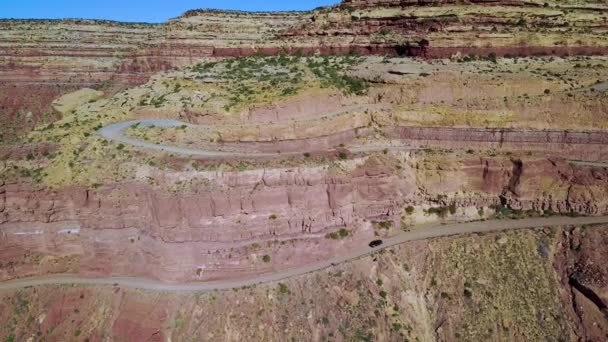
(53, 58)
(505, 283)
(221, 230)
(584, 280)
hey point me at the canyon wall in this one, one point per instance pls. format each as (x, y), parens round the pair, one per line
(52, 58)
(576, 145)
(222, 230)
(424, 290)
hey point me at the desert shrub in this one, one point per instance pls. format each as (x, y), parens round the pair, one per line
(441, 212)
(385, 224)
(340, 234)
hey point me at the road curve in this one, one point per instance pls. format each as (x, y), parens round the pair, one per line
(116, 132)
(431, 231)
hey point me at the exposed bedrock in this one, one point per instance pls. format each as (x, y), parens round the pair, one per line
(224, 230)
(575, 145)
(55, 57)
(403, 3)
(584, 280)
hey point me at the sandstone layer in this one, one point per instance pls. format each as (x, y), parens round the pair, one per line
(477, 111)
(513, 286)
(132, 229)
(52, 58)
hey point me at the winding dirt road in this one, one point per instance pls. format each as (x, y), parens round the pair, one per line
(116, 132)
(591, 164)
(422, 233)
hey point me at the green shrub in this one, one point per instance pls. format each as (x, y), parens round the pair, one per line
(441, 212)
(385, 224)
(452, 208)
(343, 233)
(340, 234)
(492, 57)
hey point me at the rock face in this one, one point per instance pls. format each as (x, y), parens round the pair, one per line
(508, 283)
(405, 3)
(581, 145)
(132, 229)
(584, 281)
(52, 58)
(170, 218)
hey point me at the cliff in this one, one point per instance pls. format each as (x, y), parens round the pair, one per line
(427, 290)
(135, 230)
(52, 58)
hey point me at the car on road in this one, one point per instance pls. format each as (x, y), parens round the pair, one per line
(375, 243)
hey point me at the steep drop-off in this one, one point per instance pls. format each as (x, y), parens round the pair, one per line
(136, 230)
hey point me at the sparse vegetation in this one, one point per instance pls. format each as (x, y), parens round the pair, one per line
(481, 287)
(441, 212)
(339, 235)
(261, 78)
(283, 289)
(384, 225)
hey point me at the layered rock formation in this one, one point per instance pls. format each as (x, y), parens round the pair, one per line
(131, 229)
(507, 286)
(467, 139)
(581, 145)
(52, 58)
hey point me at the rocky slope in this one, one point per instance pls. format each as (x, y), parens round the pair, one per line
(132, 229)
(509, 286)
(52, 58)
(74, 201)
(358, 149)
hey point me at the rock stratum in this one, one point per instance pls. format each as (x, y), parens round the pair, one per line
(52, 58)
(131, 229)
(454, 111)
(388, 296)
